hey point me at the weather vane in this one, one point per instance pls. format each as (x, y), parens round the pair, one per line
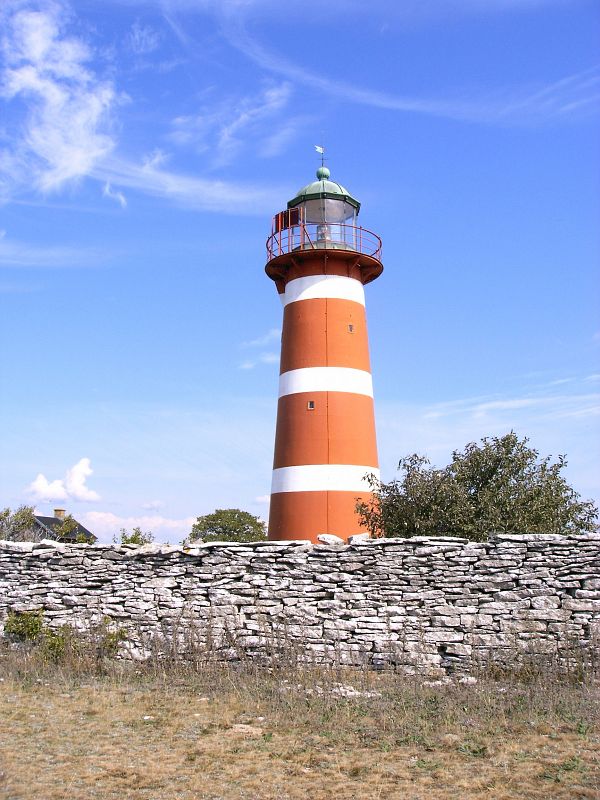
(321, 150)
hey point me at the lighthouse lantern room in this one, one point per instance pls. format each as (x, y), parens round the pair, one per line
(325, 444)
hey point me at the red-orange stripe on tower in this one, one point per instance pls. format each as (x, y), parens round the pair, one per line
(303, 515)
(327, 433)
(324, 333)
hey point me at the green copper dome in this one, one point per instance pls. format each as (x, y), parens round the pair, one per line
(323, 189)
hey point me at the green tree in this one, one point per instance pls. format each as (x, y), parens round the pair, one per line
(228, 525)
(68, 530)
(19, 525)
(137, 536)
(499, 485)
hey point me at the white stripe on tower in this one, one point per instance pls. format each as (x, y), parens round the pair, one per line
(322, 478)
(326, 379)
(314, 287)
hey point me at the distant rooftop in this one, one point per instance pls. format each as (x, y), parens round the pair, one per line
(52, 525)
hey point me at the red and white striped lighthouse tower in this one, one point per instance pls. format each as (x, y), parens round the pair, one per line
(325, 443)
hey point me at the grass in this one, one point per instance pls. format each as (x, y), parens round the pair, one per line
(83, 728)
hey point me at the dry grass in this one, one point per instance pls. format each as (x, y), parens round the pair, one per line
(225, 732)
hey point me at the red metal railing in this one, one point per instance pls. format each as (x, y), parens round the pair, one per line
(330, 236)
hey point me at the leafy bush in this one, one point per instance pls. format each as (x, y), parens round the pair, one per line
(228, 525)
(498, 485)
(137, 536)
(57, 645)
(24, 626)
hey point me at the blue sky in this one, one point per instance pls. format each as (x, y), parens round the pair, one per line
(145, 146)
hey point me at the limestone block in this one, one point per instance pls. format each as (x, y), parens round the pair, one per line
(159, 583)
(368, 637)
(445, 610)
(359, 538)
(545, 601)
(445, 621)
(440, 636)
(503, 609)
(512, 594)
(328, 538)
(551, 614)
(572, 604)
(489, 640)
(330, 605)
(18, 547)
(475, 620)
(524, 625)
(458, 649)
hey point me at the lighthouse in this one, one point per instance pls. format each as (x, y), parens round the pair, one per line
(325, 445)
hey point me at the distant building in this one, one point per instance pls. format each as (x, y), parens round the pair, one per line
(49, 528)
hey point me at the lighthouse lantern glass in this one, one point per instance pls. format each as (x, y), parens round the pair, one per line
(322, 210)
(335, 222)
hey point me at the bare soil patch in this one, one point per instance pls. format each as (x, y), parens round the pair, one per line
(230, 732)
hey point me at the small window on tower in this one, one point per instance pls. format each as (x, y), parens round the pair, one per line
(350, 328)
(310, 405)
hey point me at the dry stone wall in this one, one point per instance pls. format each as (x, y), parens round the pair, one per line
(420, 604)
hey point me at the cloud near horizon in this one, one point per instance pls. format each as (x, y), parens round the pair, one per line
(71, 487)
(105, 525)
(549, 418)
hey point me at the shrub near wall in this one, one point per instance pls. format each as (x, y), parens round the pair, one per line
(420, 604)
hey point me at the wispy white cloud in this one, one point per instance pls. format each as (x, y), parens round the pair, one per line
(143, 39)
(72, 487)
(64, 125)
(263, 358)
(187, 190)
(118, 197)
(249, 119)
(14, 253)
(572, 93)
(282, 136)
(556, 422)
(550, 406)
(225, 127)
(65, 128)
(569, 94)
(168, 14)
(407, 9)
(527, 104)
(12, 287)
(155, 159)
(267, 357)
(153, 505)
(561, 381)
(272, 335)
